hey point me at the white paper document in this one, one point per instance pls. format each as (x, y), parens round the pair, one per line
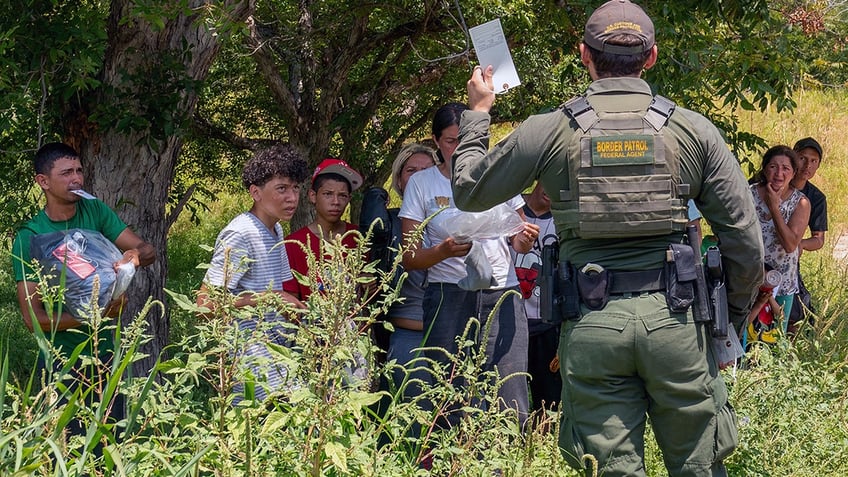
(83, 194)
(490, 44)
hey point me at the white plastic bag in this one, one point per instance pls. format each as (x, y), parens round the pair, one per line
(727, 350)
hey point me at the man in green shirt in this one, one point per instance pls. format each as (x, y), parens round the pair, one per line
(626, 355)
(58, 171)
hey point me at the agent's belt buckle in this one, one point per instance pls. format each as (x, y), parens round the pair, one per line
(591, 268)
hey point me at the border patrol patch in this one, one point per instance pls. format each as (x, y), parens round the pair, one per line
(625, 149)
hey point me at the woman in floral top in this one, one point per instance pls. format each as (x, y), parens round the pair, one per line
(783, 212)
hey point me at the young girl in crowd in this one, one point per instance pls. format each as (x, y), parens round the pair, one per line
(406, 316)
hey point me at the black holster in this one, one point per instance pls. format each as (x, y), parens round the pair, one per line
(702, 312)
(559, 300)
(569, 295)
(594, 288)
(718, 293)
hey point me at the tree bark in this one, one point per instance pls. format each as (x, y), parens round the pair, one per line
(131, 167)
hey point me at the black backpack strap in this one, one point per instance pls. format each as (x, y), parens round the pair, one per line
(659, 111)
(581, 111)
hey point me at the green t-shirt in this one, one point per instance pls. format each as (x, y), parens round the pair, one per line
(90, 215)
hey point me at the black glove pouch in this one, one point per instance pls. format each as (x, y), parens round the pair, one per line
(594, 289)
(680, 278)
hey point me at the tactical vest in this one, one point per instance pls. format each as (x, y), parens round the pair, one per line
(626, 182)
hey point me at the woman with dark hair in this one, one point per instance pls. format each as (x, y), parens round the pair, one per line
(783, 212)
(449, 305)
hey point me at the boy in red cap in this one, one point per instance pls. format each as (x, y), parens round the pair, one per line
(332, 184)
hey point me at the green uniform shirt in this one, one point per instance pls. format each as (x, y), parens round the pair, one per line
(90, 215)
(539, 149)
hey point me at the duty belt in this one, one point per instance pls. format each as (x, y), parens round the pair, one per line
(637, 282)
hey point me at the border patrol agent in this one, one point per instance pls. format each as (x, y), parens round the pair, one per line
(620, 165)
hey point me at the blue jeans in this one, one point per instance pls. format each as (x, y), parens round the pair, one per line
(447, 310)
(404, 347)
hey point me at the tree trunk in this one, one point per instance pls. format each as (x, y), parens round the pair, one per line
(130, 159)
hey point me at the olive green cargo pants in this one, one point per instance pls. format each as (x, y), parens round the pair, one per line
(635, 359)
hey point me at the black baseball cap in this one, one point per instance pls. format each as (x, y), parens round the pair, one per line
(808, 142)
(619, 16)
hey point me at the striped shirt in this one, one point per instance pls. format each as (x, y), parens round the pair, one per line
(257, 259)
(257, 262)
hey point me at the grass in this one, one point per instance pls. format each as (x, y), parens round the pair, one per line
(13, 333)
(822, 114)
(791, 399)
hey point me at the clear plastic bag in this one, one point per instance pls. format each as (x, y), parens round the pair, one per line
(83, 254)
(499, 221)
(727, 350)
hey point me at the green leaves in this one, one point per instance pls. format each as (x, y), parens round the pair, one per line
(336, 452)
(186, 303)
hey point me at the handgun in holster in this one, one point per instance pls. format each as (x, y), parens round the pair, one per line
(718, 292)
(559, 299)
(702, 300)
(711, 294)
(549, 299)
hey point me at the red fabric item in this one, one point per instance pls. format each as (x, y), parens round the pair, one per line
(298, 259)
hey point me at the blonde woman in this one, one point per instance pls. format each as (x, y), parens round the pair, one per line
(406, 316)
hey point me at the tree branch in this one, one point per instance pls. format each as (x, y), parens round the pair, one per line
(202, 127)
(177, 210)
(264, 57)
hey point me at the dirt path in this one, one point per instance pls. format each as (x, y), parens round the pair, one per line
(840, 250)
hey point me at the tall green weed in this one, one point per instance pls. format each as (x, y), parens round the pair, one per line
(791, 400)
(12, 329)
(183, 419)
(189, 248)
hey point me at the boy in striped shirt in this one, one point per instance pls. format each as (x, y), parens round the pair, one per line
(250, 261)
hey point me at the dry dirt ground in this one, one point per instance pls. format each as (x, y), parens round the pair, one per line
(840, 250)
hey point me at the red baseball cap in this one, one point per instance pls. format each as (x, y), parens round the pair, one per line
(340, 167)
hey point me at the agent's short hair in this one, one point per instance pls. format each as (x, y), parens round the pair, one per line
(403, 156)
(609, 65)
(48, 154)
(281, 159)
